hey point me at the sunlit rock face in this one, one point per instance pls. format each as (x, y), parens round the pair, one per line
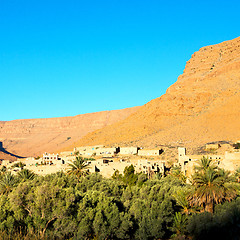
(201, 106)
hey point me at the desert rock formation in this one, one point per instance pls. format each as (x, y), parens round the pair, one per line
(202, 106)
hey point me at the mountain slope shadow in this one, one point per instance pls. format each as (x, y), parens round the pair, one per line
(2, 149)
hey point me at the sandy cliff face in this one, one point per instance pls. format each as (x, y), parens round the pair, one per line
(202, 106)
(35, 136)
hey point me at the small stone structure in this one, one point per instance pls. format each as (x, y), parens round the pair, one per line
(50, 158)
(150, 152)
(128, 150)
(229, 161)
(107, 167)
(107, 151)
(150, 167)
(6, 162)
(212, 146)
(88, 150)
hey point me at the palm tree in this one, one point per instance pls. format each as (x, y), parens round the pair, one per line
(179, 224)
(25, 174)
(237, 175)
(211, 187)
(78, 167)
(203, 164)
(176, 172)
(225, 175)
(181, 197)
(7, 182)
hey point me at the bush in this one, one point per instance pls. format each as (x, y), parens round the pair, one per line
(223, 224)
(236, 145)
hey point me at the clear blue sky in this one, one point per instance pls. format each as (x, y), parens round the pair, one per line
(63, 58)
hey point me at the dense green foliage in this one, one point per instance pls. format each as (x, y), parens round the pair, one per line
(128, 206)
(223, 224)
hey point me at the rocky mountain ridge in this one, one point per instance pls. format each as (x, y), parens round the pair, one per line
(201, 106)
(29, 137)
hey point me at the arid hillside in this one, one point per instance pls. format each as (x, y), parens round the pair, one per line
(4, 154)
(32, 137)
(202, 106)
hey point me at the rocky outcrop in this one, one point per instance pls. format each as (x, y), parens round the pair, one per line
(202, 106)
